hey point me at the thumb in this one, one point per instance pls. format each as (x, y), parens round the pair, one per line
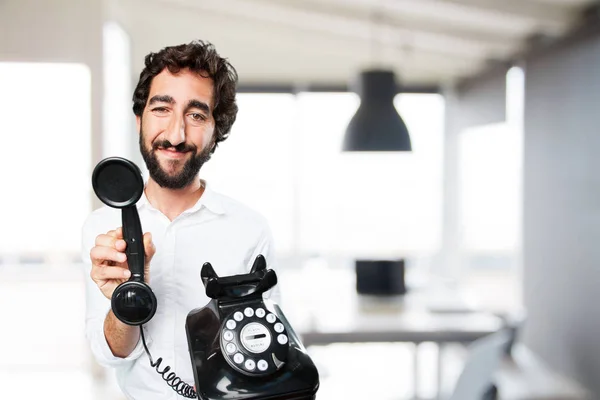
(149, 250)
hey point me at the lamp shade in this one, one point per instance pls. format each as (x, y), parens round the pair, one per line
(376, 126)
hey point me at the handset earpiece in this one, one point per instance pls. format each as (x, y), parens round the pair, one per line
(118, 183)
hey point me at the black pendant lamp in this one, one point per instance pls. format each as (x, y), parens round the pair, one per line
(377, 126)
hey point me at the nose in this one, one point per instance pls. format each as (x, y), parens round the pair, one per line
(175, 132)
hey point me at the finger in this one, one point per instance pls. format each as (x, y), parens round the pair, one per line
(111, 239)
(106, 273)
(100, 254)
(120, 244)
(149, 248)
(106, 239)
(116, 233)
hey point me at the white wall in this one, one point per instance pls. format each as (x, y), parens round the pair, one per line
(481, 102)
(562, 209)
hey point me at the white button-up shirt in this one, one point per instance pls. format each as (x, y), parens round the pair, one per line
(218, 230)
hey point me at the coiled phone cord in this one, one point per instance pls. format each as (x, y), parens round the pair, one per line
(180, 387)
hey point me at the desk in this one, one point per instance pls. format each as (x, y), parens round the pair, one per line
(399, 326)
(332, 312)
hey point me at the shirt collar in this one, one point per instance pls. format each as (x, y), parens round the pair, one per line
(209, 199)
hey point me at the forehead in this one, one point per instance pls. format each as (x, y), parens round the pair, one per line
(183, 86)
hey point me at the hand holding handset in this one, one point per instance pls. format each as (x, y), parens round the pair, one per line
(118, 183)
(245, 340)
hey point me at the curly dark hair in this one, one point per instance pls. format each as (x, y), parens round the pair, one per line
(200, 57)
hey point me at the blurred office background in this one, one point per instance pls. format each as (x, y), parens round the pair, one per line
(496, 210)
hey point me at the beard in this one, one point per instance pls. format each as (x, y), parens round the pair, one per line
(188, 172)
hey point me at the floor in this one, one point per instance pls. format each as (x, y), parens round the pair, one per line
(42, 346)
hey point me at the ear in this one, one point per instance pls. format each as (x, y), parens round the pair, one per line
(213, 142)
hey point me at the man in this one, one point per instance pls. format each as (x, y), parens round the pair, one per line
(184, 105)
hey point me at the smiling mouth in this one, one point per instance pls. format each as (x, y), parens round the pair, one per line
(173, 153)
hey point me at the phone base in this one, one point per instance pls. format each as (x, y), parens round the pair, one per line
(217, 377)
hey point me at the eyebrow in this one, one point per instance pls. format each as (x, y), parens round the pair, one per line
(161, 98)
(165, 98)
(198, 104)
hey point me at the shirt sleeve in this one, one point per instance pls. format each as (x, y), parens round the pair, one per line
(98, 306)
(265, 246)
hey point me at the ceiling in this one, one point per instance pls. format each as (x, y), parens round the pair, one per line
(326, 42)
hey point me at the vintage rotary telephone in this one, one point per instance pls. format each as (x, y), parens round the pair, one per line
(273, 363)
(242, 346)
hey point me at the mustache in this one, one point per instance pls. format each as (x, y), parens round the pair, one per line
(181, 147)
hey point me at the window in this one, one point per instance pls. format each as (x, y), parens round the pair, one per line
(284, 159)
(255, 165)
(490, 205)
(370, 204)
(490, 192)
(45, 112)
(119, 137)
(490, 171)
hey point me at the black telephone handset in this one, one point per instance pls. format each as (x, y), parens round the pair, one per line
(118, 183)
(242, 346)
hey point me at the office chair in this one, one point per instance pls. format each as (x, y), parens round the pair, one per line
(484, 356)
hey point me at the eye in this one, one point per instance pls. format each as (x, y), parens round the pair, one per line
(159, 110)
(197, 117)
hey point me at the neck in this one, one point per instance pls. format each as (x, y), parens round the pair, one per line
(172, 202)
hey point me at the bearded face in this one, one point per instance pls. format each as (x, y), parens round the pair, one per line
(173, 173)
(176, 128)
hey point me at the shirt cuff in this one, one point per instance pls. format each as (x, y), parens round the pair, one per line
(102, 351)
